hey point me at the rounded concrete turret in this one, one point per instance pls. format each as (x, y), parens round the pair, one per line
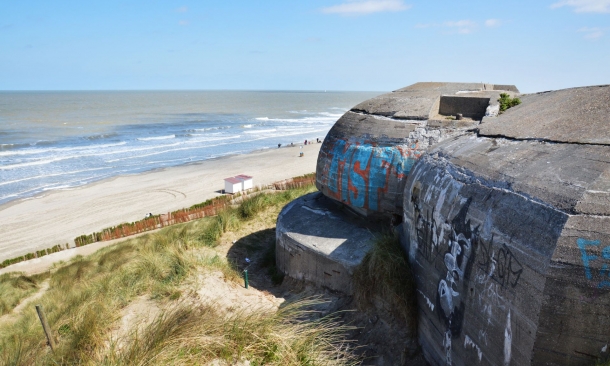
(369, 152)
(508, 235)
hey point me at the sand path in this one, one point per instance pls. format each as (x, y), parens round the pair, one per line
(60, 216)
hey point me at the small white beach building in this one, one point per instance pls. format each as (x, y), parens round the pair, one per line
(238, 183)
(246, 180)
(232, 185)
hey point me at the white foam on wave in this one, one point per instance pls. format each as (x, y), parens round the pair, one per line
(51, 175)
(261, 131)
(167, 151)
(323, 119)
(58, 149)
(156, 138)
(262, 119)
(246, 126)
(208, 129)
(36, 162)
(334, 115)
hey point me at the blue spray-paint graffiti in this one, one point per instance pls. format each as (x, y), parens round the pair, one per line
(587, 258)
(360, 172)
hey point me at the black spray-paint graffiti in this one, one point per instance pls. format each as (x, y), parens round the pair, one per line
(501, 266)
(459, 245)
(452, 290)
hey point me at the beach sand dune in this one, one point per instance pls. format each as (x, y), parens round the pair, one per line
(60, 216)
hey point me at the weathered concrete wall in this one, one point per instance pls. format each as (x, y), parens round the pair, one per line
(317, 242)
(473, 107)
(508, 237)
(367, 155)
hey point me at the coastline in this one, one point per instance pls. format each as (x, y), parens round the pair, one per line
(59, 216)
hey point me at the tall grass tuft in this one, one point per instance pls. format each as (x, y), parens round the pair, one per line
(15, 287)
(189, 335)
(385, 272)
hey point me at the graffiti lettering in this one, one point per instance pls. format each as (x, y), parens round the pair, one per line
(458, 261)
(502, 266)
(457, 248)
(426, 234)
(360, 172)
(587, 258)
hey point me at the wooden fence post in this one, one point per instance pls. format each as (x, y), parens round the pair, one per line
(45, 327)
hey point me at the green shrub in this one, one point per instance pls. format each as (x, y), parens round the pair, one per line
(507, 102)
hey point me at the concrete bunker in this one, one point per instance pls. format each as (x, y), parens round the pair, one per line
(470, 107)
(362, 167)
(507, 230)
(368, 154)
(505, 219)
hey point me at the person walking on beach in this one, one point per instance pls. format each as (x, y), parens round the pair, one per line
(279, 145)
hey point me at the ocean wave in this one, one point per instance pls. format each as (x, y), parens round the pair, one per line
(156, 138)
(166, 151)
(101, 136)
(323, 119)
(246, 126)
(51, 175)
(36, 162)
(261, 131)
(34, 151)
(334, 115)
(208, 129)
(262, 119)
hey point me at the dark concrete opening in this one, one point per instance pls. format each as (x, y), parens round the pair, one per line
(470, 107)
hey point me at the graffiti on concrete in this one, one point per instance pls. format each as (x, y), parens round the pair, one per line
(588, 259)
(503, 266)
(474, 271)
(508, 340)
(426, 229)
(360, 172)
(458, 260)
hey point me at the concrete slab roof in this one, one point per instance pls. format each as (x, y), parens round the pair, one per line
(576, 115)
(419, 101)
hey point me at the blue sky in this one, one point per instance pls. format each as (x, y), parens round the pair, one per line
(375, 45)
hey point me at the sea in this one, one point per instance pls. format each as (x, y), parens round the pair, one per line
(56, 140)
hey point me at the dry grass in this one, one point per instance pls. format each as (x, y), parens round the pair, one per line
(385, 273)
(15, 287)
(197, 336)
(86, 295)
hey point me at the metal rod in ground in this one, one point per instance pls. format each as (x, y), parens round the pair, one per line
(45, 327)
(246, 278)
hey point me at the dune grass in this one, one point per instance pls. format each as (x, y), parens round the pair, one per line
(86, 295)
(385, 273)
(15, 287)
(201, 335)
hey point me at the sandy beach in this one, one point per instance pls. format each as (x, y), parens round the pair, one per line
(60, 216)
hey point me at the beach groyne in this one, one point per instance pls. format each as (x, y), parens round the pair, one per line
(504, 216)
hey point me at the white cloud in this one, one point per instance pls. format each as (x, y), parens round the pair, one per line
(592, 33)
(459, 26)
(358, 7)
(182, 9)
(585, 6)
(462, 26)
(493, 22)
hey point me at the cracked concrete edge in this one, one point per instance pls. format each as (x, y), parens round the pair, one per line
(567, 319)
